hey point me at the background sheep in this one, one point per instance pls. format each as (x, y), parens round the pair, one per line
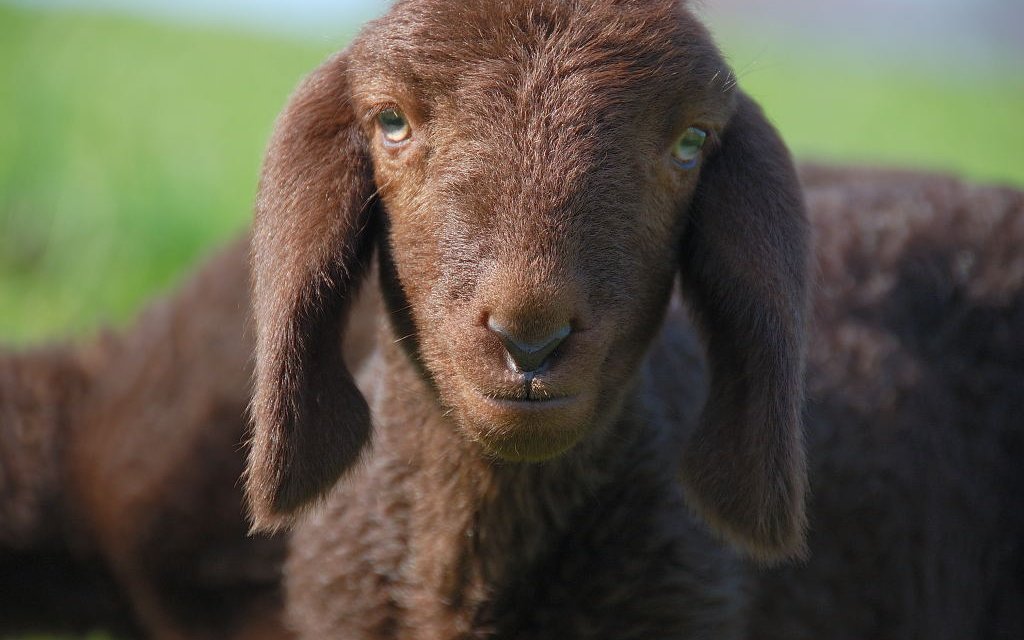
(915, 415)
(119, 465)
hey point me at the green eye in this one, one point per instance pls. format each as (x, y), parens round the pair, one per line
(687, 149)
(394, 126)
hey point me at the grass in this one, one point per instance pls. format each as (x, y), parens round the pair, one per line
(860, 107)
(128, 149)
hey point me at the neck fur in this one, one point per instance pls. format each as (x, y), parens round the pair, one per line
(477, 522)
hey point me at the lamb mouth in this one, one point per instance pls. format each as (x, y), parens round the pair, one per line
(527, 398)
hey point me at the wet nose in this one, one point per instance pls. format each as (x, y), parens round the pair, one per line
(528, 356)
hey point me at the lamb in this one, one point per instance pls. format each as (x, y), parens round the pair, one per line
(119, 459)
(546, 456)
(915, 415)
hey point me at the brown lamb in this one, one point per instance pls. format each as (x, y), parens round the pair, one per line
(556, 450)
(119, 499)
(540, 431)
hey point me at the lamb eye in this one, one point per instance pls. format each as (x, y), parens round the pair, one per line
(687, 149)
(394, 126)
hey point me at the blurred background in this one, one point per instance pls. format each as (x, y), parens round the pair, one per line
(131, 131)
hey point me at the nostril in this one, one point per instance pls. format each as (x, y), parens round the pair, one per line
(527, 356)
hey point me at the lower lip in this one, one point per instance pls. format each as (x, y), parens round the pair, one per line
(530, 405)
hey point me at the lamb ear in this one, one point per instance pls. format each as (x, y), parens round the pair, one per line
(310, 247)
(744, 260)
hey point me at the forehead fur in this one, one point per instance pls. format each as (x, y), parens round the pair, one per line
(650, 51)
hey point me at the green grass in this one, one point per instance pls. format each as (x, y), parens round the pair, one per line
(127, 150)
(861, 107)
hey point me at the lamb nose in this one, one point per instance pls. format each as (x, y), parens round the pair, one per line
(527, 357)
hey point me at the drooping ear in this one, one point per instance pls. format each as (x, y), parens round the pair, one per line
(744, 260)
(311, 243)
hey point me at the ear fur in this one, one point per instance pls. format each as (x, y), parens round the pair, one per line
(310, 247)
(744, 260)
